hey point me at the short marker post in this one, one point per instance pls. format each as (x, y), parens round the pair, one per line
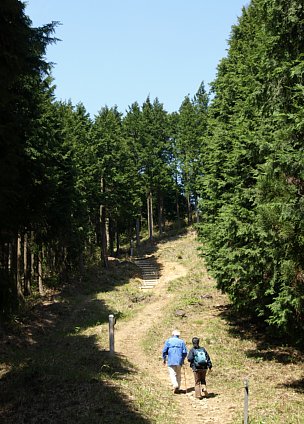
(111, 332)
(246, 401)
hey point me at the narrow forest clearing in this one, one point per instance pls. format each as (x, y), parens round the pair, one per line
(56, 368)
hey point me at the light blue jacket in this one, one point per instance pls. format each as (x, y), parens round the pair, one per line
(176, 351)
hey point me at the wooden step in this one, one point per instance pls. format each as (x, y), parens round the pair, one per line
(149, 272)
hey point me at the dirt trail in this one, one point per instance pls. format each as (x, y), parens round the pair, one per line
(128, 340)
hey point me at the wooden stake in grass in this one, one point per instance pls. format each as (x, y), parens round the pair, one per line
(246, 387)
(111, 332)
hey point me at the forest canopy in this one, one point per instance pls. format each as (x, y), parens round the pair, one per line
(73, 187)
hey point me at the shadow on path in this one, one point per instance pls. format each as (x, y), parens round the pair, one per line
(51, 372)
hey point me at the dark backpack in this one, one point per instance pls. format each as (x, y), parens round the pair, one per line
(200, 358)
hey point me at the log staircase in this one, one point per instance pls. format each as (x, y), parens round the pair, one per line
(149, 271)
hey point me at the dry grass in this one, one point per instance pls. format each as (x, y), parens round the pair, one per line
(237, 348)
(56, 368)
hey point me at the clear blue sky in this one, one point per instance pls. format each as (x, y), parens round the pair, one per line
(116, 52)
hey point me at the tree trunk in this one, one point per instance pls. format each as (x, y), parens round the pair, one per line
(137, 232)
(189, 215)
(10, 256)
(40, 277)
(103, 235)
(81, 263)
(103, 229)
(32, 259)
(150, 215)
(8, 292)
(177, 211)
(196, 210)
(117, 243)
(111, 236)
(160, 213)
(131, 247)
(19, 270)
(26, 266)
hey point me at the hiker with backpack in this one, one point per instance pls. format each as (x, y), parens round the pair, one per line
(200, 362)
(176, 351)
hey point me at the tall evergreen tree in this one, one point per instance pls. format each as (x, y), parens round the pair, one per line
(117, 169)
(22, 73)
(192, 127)
(155, 156)
(252, 169)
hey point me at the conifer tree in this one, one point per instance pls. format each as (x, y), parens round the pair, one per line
(189, 145)
(252, 169)
(22, 83)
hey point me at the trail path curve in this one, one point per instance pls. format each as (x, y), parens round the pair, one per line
(128, 337)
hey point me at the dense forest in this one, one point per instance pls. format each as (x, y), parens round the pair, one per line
(75, 189)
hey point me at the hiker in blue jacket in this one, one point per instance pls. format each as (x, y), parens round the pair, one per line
(199, 362)
(176, 350)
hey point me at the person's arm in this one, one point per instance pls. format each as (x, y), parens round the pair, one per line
(190, 355)
(184, 352)
(165, 351)
(209, 363)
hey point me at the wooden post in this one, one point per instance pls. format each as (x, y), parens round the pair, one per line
(246, 387)
(111, 332)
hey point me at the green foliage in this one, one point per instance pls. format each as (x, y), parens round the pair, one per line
(21, 72)
(240, 157)
(253, 167)
(148, 133)
(189, 142)
(115, 162)
(24, 87)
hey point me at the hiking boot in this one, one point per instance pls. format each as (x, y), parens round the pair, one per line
(176, 390)
(198, 392)
(204, 391)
